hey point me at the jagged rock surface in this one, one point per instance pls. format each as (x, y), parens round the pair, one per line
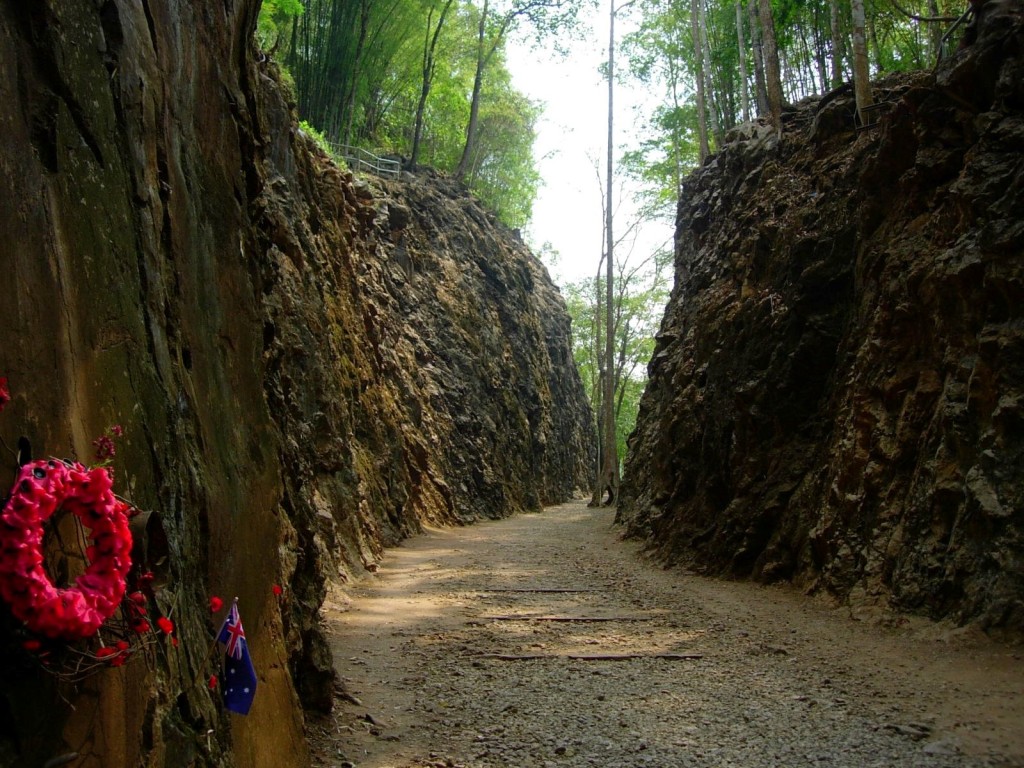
(836, 393)
(307, 367)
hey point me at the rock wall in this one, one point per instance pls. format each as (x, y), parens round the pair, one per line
(836, 393)
(307, 367)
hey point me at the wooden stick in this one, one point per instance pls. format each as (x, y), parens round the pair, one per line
(514, 617)
(591, 656)
(543, 590)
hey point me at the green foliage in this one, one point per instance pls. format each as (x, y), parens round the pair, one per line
(660, 55)
(320, 140)
(640, 296)
(358, 68)
(275, 20)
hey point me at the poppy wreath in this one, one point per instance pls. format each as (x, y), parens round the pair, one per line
(40, 489)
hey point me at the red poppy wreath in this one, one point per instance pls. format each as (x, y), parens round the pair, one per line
(40, 489)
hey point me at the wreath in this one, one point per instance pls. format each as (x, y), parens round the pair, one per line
(40, 489)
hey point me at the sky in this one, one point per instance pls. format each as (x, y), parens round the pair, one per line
(572, 135)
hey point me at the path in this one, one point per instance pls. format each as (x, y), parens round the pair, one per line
(723, 674)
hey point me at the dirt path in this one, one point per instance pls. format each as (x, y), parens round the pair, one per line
(719, 674)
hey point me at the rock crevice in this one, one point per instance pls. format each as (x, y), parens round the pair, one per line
(308, 367)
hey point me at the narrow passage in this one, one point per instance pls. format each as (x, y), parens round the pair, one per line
(543, 640)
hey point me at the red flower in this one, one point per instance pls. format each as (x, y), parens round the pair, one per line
(119, 660)
(138, 598)
(174, 641)
(165, 624)
(77, 611)
(5, 393)
(277, 590)
(102, 653)
(105, 448)
(121, 645)
(117, 430)
(141, 626)
(212, 683)
(32, 645)
(215, 604)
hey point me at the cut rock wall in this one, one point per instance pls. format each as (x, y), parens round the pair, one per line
(836, 394)
(307, 367)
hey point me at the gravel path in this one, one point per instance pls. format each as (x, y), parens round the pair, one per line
(717, 674)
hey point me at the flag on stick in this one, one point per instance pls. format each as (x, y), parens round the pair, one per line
(239, 679)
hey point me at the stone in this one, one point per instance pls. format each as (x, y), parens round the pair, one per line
(834, 395)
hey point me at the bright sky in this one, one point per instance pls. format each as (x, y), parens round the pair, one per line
(571, 138)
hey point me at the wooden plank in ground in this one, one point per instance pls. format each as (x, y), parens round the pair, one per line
(591, 656)
(514, 617)
(542, 590)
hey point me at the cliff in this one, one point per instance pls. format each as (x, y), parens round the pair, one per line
(836, 394)
(307, 366)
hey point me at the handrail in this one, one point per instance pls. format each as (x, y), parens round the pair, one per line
(360, 159)
(944, 51)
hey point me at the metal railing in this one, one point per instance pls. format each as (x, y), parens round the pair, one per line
(359, 159)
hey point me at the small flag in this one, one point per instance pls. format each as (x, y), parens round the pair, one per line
(239, 679)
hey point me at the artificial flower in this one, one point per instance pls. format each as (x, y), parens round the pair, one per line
(39, 489)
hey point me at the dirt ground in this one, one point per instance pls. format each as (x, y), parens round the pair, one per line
(544, 640)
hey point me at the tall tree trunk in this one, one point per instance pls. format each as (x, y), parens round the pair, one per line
(482, 57)
(861, 81)
(350, 97)
(742, 45)
(755, 39)
(837, 43)
(709, 90)
(934, 31)
(772, 73)
(610, 465)
(698, 59)
(429, 67)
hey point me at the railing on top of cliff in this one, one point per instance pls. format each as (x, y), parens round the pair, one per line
(359, 159)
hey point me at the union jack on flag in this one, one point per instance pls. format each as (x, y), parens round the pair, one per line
(239, 674)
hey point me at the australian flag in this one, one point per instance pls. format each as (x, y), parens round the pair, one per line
(239, 681)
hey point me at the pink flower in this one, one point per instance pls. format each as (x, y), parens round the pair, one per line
(5, 393)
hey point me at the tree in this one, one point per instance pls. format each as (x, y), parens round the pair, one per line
(639, 301)
(759, 78)
(742, 48)
(702, 109)
(608, 478)
(772, 71)
(431, 37)
(861, 83)
(544, 15)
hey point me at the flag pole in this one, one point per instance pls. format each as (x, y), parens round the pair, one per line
(213, 645)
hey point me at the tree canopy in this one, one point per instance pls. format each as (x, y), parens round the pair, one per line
(422, 79)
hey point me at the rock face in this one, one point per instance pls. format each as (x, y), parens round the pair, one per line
(836, 394)
(307, 367)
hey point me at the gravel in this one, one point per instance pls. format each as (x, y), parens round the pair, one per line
(758, 676)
